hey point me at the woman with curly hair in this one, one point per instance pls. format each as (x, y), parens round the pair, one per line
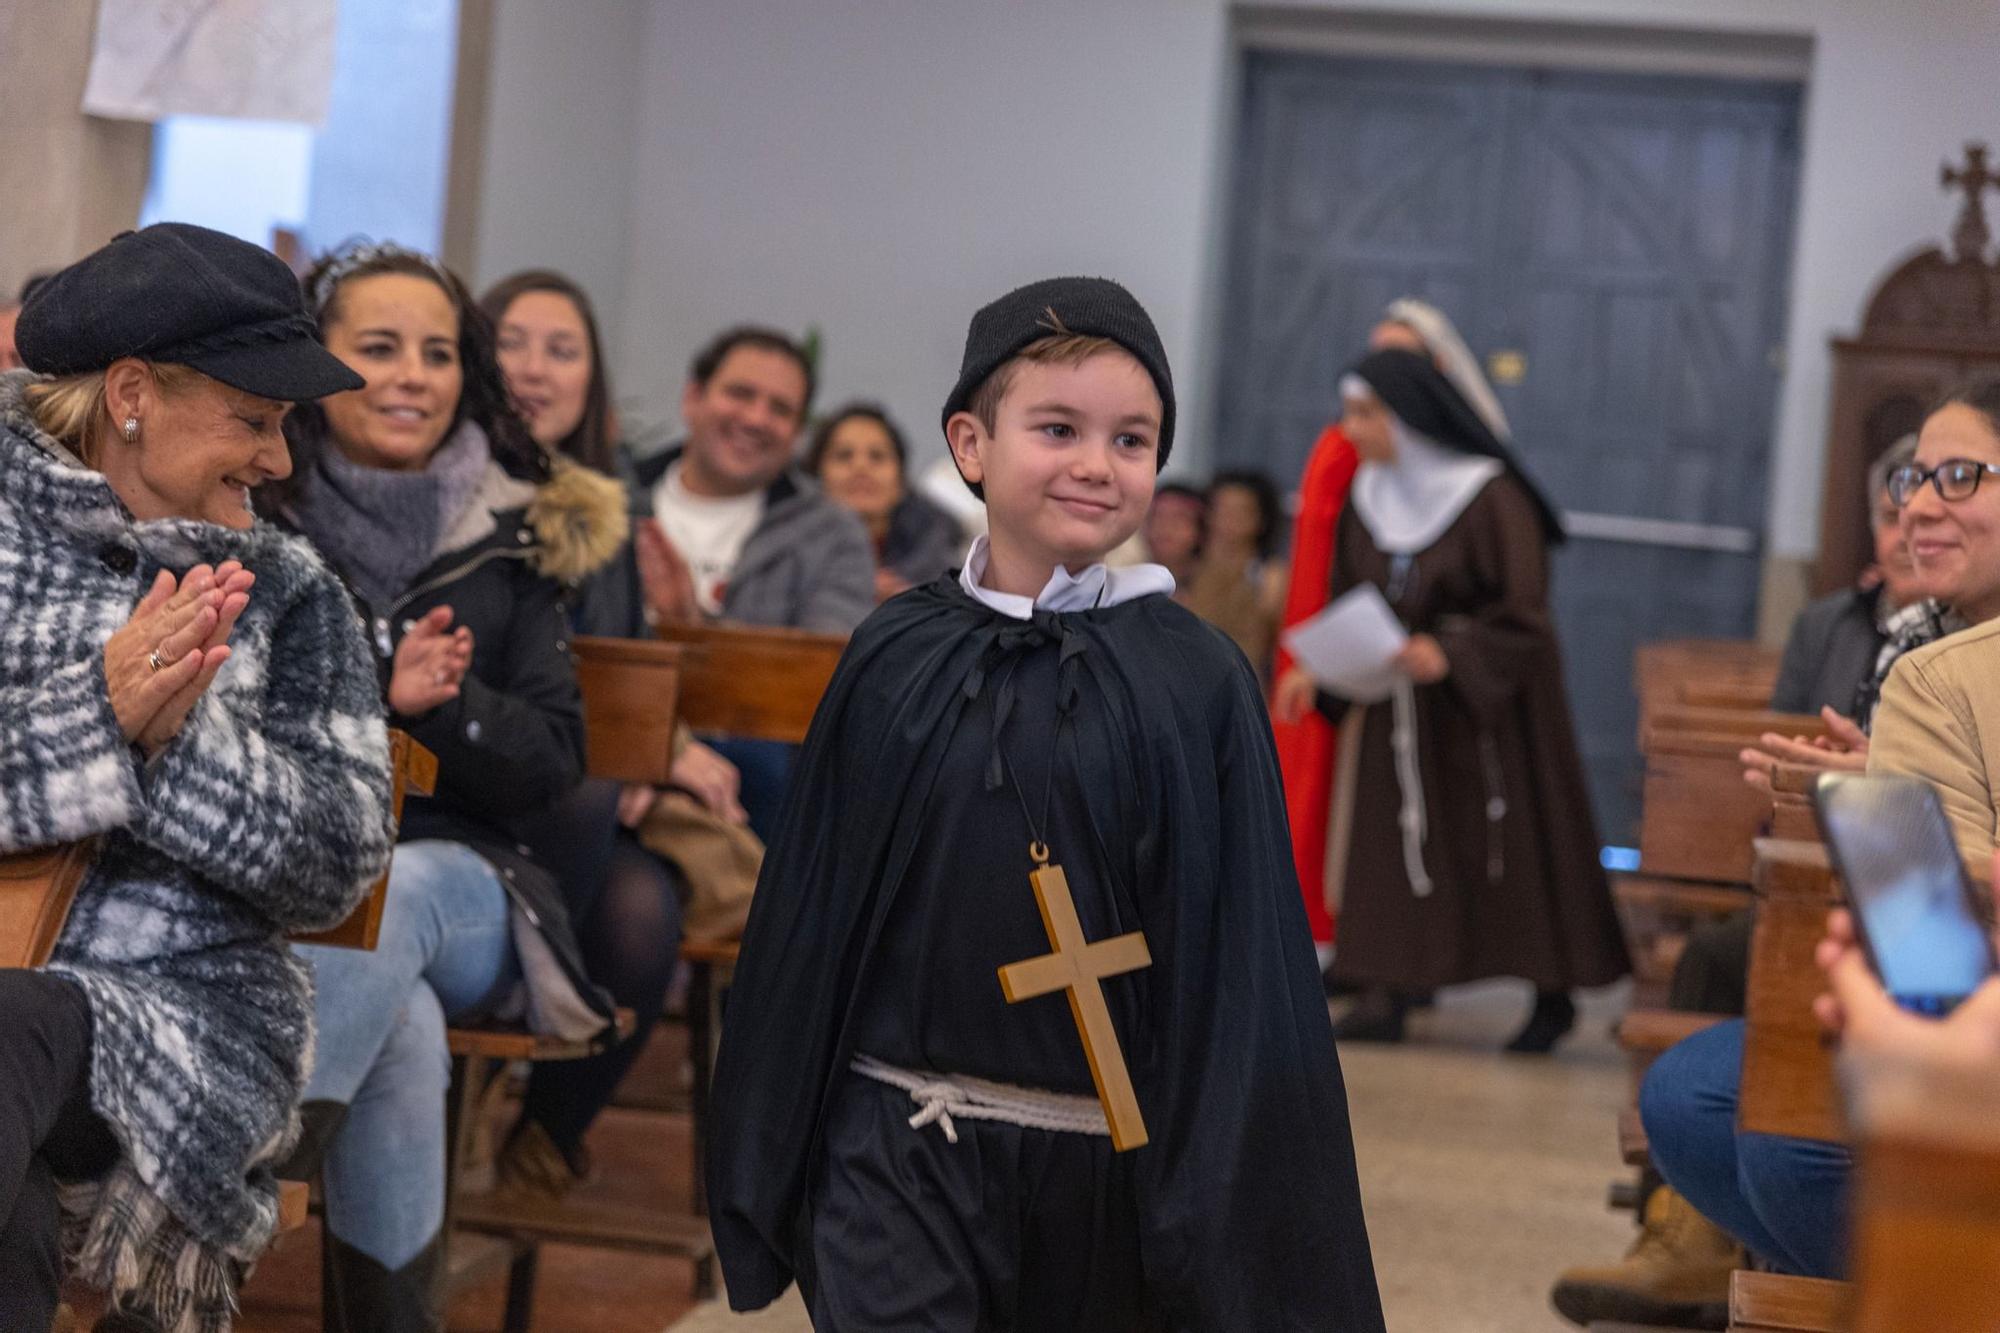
(457, 537)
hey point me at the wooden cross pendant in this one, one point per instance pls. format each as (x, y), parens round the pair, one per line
(1077, 967)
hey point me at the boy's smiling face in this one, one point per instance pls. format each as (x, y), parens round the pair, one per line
(1069, 466)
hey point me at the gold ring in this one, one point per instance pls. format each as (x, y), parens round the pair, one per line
(155, 661)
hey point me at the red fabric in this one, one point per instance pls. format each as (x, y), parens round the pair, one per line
(1305, 748)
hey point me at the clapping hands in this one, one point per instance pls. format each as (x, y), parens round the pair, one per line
(1844, 748)
(158, 665)
(664, 575)
(431, 663)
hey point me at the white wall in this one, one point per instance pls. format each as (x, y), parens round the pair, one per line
(563, 105)
(878, 167)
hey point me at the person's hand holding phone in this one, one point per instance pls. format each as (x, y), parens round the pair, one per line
(1862, 1013)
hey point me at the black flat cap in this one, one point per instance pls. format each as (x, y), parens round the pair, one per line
(1095, 306)
(180, 293)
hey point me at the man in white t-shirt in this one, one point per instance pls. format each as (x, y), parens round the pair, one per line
(737, 532)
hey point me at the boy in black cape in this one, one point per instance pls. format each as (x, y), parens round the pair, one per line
(916, 1150)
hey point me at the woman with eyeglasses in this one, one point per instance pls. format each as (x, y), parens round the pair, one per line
(1954, 549)
(1938, 720)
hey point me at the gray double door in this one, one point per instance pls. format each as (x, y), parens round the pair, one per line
(1615, 246)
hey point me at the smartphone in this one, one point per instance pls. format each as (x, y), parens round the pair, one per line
(1912, 903)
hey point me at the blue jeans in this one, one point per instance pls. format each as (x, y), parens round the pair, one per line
(446, 951)
(1786, 1199)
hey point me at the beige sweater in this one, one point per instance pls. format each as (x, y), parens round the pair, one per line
(1939, 720)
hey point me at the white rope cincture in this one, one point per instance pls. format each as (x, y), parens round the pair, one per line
(940, 1098)
(1410, 780)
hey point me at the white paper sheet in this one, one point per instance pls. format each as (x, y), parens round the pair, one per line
(258, 59)
(1348, 646)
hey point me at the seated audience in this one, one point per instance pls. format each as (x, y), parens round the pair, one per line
(1239, 584)
(1173, 531)
(861, 461)
(455, 538)
(729, 529)
(1785, 1198)
(223, 746)
(624, 899)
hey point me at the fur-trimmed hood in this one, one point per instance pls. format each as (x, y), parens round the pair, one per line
(580, 521)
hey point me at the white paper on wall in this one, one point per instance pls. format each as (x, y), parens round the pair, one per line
(252, 59)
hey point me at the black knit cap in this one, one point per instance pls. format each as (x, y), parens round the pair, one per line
(174, 292)
(1098, 307)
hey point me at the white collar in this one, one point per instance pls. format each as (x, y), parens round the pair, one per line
(1408, 504)
(1098, 585)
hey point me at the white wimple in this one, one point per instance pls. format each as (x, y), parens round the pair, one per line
(939, 1099)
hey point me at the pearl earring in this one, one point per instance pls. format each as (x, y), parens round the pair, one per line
(131, 430)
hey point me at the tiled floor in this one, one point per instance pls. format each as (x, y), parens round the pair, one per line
(1482, 1175)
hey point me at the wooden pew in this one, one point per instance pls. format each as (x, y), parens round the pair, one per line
(1789, 1086)
(1698, 815)
(1734, 672)
(753, 682)
(1925, 1244)
(1774, 1303)
(631, 704)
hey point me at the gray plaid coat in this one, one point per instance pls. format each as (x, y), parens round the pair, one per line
(268, 813)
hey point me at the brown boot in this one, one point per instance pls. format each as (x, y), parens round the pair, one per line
(530, 1166)
(1675, 1274)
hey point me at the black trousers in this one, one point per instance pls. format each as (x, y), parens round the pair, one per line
(1713, 974)
(47, 1130)
(1007, 1229)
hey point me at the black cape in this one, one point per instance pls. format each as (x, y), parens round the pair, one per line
(1250, 1211)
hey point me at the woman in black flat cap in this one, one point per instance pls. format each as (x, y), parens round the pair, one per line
(1469, 844)
(190, 690)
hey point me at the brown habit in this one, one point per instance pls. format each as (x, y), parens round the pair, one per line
(1523, 895)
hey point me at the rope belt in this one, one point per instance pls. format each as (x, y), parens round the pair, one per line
(1413, 820)
(939, 1099)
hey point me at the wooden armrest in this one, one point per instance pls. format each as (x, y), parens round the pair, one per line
(754, 682)
(1772, 1301)
(1680, 897)
(1795, 780)
(716, 953)
(510, 1043)
(1651, 1031)
(631, 699)
(1633, 1149)
(412, 768)
(294, 1197)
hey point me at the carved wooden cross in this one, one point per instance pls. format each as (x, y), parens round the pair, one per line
(1077, 967)
(1971, 234)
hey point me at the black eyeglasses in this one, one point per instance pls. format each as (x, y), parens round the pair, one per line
(1955, 479)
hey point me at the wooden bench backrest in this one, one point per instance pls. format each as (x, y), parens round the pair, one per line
(36, 889)
(1789, 1086)
(1724, 671)
(631, 701)
(412, 768)
(762, 684)
(1698, 817)
(1925, 1243)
